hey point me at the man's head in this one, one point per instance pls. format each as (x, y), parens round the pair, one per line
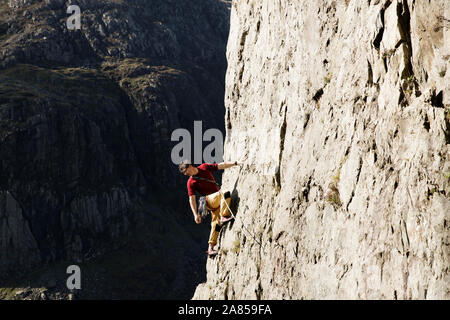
(187, 168)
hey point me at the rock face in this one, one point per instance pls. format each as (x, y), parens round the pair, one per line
(86, 118)
(342, 110)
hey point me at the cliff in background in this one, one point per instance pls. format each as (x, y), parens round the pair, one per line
(342, 110)
(86, 118)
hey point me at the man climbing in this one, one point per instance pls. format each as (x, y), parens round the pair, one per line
(202, 181)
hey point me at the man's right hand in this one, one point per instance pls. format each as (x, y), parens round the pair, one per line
(193, 203)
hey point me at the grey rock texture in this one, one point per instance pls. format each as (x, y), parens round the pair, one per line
(342, 111)
(86, 118)
(16, 230)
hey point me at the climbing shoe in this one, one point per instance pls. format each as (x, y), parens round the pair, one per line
(211, 253)
(226, 219)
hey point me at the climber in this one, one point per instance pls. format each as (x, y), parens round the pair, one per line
(201, 181)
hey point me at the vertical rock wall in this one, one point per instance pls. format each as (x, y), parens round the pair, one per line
(342, 110)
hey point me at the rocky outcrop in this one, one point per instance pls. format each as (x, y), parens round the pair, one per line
(342, 110)
(15, 229)
(86, 118)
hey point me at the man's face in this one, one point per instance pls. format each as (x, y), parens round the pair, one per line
(189, 171)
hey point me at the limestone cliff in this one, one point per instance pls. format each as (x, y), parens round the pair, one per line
(342, 111)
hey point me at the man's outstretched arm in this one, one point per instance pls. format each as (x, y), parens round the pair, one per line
(226, 165)
(193, 203)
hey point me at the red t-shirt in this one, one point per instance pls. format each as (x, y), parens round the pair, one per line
(201, 186)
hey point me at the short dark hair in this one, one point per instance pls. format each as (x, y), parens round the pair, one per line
(184, 165)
